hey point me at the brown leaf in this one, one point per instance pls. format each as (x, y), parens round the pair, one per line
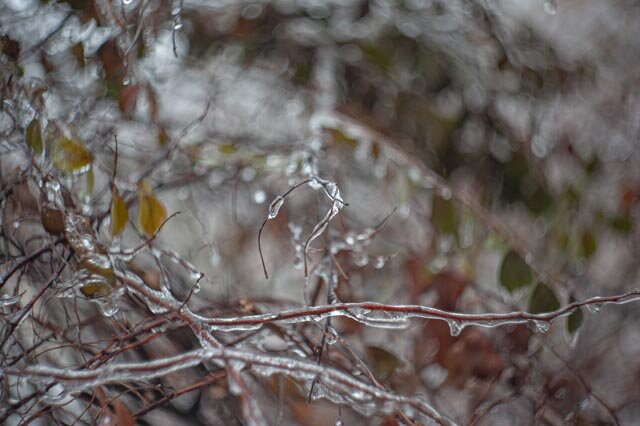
(123, 415)
(128, 99)
(111, 60)
(52, 220)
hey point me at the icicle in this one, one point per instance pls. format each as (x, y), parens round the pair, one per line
(455, 327)
(541, 326)
(594, 308)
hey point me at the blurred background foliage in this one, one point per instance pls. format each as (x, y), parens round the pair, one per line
(486, 150)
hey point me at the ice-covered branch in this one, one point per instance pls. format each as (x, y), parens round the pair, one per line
(333, 384)
(397, 316)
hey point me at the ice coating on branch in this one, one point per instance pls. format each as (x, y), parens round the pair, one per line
(398, 316)
(274, 207)
(57, 395)
(334, 384)
(337, 203)
(7, 300)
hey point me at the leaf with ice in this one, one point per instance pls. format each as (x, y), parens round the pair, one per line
(70, 155)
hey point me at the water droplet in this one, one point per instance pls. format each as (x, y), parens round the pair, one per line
(177, 26)
(366, 234)
(339, 422)
(550, 7)
(176, 11)
(445, 193)
(404, 210)
(350, 239)
(274, 207)
(445, 243)
(455, 327)
(259, 196)
(296, 231)
(415, 175)
(183, 194)
(438, 263)
(248, 174)
(379, 262)
(594, 308)
(361, 259)
(127, 2)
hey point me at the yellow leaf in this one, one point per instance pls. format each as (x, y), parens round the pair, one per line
(151, 212)
(70, 155)
(96, 289)
(98, 264)
(227, 148)
(33, 136)
(119, 213)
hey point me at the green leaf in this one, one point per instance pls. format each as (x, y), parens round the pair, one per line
(70, 155)
(587, 245)
(119, 213)
(514, 272)
(543, 299)
(33, 136)
(443, 216)
(538, 201)
(151, 212)
(621, 223)
(383, 363)
(574, 321)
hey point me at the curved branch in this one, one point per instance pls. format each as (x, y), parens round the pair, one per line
(397, 316)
